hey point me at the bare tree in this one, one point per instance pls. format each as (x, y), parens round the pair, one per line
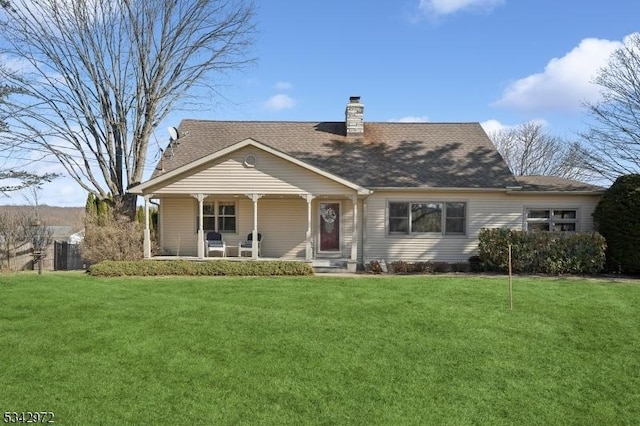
(613, 138)
(529, 150)
(18, 231)
(100, 75)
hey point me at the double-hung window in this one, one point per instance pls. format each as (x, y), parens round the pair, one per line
(543, 219)
(220, 216)
(427, 217)
(226, 216)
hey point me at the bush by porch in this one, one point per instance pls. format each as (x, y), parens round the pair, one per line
(110, 268)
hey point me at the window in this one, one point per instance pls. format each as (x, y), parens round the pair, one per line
(426, 217)
(399, 217)
(564, 220)
(220, 213)
(208, 217)
(226, 217)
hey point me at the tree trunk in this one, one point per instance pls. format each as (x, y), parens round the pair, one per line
(126, 205)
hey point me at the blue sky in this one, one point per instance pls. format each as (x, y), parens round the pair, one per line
(498, 62)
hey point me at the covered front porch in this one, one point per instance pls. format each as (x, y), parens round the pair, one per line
(323, 230)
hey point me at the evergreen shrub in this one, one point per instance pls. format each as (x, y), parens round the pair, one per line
(542, 252)
(617, 218)
(110, 268)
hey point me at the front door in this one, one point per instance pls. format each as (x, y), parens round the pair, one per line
(329, 227)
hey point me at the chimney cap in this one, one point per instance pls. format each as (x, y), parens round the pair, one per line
(354, 99)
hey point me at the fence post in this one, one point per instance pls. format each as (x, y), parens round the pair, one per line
(510, 282)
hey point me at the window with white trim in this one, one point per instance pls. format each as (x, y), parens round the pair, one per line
(427, 217)
(543, 219)
(226, 216)
(219, 216)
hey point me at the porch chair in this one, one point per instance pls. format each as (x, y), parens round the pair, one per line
(215, 242)
(247, 245)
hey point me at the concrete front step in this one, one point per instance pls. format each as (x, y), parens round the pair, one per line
(327, 266)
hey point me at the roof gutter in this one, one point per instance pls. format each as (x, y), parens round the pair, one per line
(436, 189)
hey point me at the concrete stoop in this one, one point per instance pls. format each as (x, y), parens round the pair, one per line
(328, 266)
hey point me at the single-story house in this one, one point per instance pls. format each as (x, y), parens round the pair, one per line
(353, 191)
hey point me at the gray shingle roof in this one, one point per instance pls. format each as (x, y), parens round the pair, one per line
(453, 155)
(554, 183)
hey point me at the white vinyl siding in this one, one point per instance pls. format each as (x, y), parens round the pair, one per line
(483, 210)
(178, 231)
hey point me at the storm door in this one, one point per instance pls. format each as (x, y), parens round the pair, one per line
(329, 227)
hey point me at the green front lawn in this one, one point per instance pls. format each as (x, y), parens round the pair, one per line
(320, 350)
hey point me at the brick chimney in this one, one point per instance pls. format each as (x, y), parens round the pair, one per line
(354, 117)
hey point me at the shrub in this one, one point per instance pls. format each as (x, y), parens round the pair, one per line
(401, 267)
(109, 268)
(374, 267)
(617, 218)
(475, 264)
(109, 235)
(422, 267)
(460, 267)
(440, 267)
(542, 252)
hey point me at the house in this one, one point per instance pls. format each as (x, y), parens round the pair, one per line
(350, 191)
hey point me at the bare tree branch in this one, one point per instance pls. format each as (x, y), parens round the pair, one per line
(613, 139)
(529, 150)
(22, 180)
(100, 75)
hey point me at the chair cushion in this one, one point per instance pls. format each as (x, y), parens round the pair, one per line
(215, 243)
(246, 244)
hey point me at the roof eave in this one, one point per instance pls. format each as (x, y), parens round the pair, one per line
(560, 192)
(435, 189)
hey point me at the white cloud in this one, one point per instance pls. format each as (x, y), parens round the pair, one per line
(565, 83)
(283, 85)
(279, 102)
(448, 7)
(494, 126)
(411, 119)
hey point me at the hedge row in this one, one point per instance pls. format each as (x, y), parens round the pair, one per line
(542, 252)
(110, 268)
(428, 267)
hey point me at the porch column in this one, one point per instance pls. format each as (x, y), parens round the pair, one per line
(147, 233)
(200, 198)
(254, 244)
(309, 240)
(308, 252)
(354, 236)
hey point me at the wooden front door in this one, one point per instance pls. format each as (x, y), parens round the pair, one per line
(329, 227)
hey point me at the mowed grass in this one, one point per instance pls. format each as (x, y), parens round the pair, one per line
(320, 350)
